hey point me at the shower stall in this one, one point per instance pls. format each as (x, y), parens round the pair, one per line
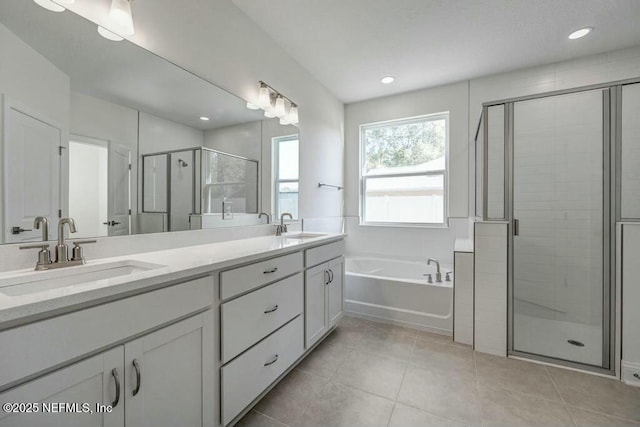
(562, 169)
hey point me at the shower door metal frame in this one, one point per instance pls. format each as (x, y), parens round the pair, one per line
(611, 145)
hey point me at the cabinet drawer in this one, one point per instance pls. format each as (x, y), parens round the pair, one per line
(250, 374)
(39, 346)
(320, 254)
(243, 279)
(248, 319)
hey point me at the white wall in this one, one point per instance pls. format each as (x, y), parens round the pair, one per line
(412, 242)
(217, 41)
(242, 140)
(158, 135)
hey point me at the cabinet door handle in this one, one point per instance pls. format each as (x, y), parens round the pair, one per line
(136, 366)
(273, 270)
(331, 276)
(271, 310)
(116, 378)
(272, 361)
(326, 277)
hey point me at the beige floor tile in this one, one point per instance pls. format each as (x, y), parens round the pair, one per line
(405, 416)
(342, 406)
(515, 375)
(325, 359)
(375, 374)
(256, 419)
(349, 332)
(452, 358)
(608, 396)
(430, 336)
(387, 342)
(441, 393)
(584, 418)
(390, 329)
(502, 408)
(289, 399)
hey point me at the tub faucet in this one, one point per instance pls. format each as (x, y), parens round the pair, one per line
(438, 274)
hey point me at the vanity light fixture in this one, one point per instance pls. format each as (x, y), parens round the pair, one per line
(49, 5)
(109, 35)
(579, 33)
(121, 17)
(275, 104)
(387, 80)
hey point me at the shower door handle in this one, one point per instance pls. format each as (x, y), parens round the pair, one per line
(516, 227)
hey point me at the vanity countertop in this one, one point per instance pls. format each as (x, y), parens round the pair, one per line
(176, 264)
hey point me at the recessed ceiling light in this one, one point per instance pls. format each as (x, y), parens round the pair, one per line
(49, 5)
(388, 79)
(580, 33)
(204, 119)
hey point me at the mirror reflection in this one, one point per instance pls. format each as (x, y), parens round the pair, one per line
(124, 141)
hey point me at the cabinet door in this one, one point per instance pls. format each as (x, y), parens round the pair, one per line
(316, 280)
(169, 375)
(335, 292)
(91, 381)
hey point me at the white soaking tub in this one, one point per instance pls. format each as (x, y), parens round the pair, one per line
(395, 291)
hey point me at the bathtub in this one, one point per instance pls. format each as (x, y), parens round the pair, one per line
(396, 292)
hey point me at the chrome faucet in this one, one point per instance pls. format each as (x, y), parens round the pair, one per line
(61, 247)
(438, 274)
(282, 228)
(261, 214)
(62, 251)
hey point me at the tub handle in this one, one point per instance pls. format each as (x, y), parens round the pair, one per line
(429, 277)
(447, 276)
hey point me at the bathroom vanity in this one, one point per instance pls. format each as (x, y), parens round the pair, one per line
(190, 336)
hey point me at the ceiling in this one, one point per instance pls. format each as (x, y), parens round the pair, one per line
(122, 72)
(349, 45)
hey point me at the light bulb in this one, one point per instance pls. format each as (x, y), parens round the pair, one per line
(293, 114)
(251, 106)
(109, 35)
(120, 15)
(269, 114)
(281, 110)
(264, 97)
(49, 5)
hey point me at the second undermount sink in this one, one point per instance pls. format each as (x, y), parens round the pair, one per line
(40, 281)
(303, 236)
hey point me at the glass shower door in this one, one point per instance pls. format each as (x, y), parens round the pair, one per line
(560, 228)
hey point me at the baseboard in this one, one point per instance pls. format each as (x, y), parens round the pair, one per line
(396, 322)
(631, 373)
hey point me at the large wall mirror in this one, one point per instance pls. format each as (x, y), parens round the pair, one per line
(124, 141)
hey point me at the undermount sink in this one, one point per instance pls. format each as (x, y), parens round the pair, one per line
(303, 236)
(40, 281)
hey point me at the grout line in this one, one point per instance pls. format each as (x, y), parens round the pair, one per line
(404, 374)
(475, 366)
(391, 414)
(555, 386)
(267, 416)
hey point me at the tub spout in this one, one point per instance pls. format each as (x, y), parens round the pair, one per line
(438, 274)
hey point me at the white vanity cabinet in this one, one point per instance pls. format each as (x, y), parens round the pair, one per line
(324, 290)
(171, 382)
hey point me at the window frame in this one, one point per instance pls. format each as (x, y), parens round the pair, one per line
(276, 171)
(444, 115)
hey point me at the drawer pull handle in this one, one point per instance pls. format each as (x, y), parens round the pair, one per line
(136, 366)
(271, 310)
(116, 378)
(273, 270)
(272, 361)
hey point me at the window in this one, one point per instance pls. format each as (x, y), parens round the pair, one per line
(404, 171)
(285, 167)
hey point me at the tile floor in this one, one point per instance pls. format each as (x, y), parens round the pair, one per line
(370, 374)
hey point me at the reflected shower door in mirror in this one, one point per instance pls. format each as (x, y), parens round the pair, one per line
(82, 111)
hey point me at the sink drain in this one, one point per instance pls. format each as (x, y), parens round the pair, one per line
(576, 343)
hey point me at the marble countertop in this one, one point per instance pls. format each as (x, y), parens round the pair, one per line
(175, 264)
